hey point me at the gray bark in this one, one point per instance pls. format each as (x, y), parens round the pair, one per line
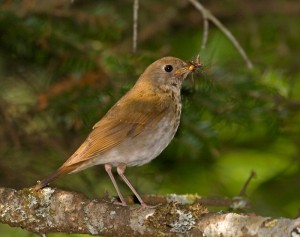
(50, 210)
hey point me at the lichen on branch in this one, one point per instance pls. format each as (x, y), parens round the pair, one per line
(52, 210)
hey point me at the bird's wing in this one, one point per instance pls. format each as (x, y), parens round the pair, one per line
(116, 126)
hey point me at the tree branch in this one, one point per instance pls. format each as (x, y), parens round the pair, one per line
(205, 32)
(208, 15)
(135, 25)
(51, 210)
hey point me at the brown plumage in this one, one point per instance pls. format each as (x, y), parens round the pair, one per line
(137, 128)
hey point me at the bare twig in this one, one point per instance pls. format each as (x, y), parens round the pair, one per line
(155, 27)
(135, 25)
(207, 14)
(246, 184)
(205, 32)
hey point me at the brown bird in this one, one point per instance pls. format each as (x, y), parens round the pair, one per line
(137, 128)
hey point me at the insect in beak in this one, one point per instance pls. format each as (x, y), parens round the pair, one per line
(194, 65)
(190, 67)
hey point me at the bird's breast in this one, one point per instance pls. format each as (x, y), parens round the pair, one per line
(151, 142)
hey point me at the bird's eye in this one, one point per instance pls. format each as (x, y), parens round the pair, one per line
(168, 68)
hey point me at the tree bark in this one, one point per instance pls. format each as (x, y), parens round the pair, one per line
(51, 210)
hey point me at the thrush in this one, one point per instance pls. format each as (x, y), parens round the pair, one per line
(137, 128)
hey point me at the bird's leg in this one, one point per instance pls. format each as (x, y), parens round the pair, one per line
(121, 170)
(108, 170)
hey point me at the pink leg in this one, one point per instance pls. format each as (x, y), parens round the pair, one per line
(121, 170)
(108, 170)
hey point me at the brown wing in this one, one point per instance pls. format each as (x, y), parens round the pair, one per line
(107, 133)
(118, 125)
(126, 119)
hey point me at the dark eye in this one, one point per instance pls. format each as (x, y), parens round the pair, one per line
(168, 68)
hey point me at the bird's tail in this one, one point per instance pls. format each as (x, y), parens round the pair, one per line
(61, 171)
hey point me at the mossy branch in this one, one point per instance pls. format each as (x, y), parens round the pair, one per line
(51, 210)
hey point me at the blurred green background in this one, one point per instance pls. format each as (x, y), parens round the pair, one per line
(63, 65)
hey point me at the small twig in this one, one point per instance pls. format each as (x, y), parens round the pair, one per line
(207, 14)
(246, 184)
(205, 32)
(135, 25)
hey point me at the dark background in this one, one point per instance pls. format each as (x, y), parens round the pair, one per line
(63, 65)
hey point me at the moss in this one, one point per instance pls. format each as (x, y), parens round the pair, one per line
(177, 217)
(270, 223)
(183, 199)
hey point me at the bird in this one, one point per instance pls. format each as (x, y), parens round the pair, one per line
(137, 128)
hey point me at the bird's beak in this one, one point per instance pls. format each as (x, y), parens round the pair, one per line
(182, 71)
